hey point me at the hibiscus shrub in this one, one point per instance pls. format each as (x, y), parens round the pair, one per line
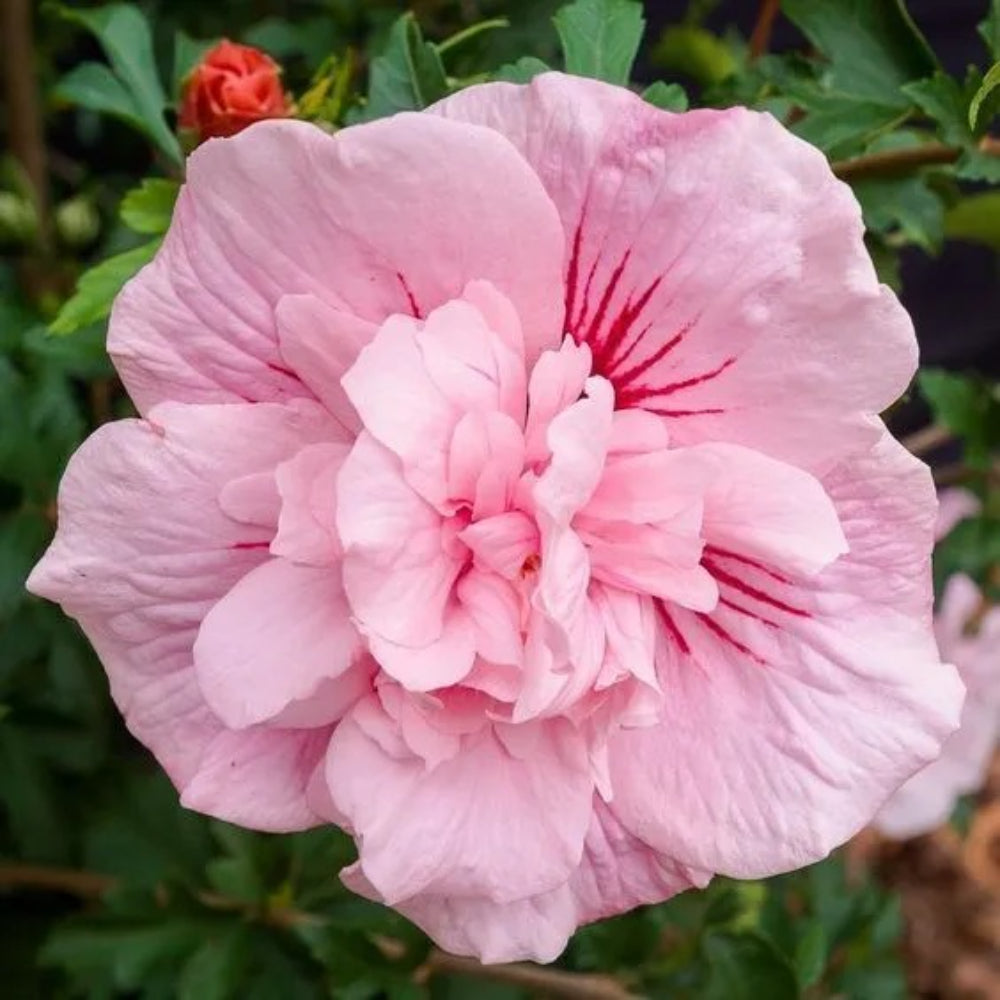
(616, 616)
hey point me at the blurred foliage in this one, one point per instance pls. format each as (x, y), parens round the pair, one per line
(107, 888)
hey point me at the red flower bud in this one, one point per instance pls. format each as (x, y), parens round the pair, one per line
(232, 87)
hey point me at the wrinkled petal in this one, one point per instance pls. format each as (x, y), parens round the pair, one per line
(144, 551)
(286, 209)
(714, 265)
(760, 680)
(446, 830)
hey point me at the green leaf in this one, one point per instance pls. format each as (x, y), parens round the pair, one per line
(944, 100)
(215, 970)
(97, 288)
(969, 407)
(93, 86)
(523, 71)
(873, 45)
(841, 125)
(130, 953)
(600, 38)
(668, 96)
(746, 967)
(408, 75)
(989, 29)
(149, 207)
(125, 36)
(986, 101)
(904, 209)
(975, 165)
(976, 218)
(810, 953)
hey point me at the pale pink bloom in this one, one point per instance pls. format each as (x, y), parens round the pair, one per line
(927, 800)
(954, 506)
(509, 491)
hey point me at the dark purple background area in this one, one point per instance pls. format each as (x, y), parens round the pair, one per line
(954, 298)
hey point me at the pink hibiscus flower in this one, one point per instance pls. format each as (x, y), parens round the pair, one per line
(509, 491)
(969, 637)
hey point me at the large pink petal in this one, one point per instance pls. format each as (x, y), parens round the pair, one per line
(446, 829)
(713, 264)
(272, 640)
(792, 711)
(144, 550)
(284, 208)
(616, 873)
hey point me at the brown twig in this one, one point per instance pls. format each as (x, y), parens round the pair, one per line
(760, 37)
(553, 982)
(24, 117)
(926, 439)
(900, 161)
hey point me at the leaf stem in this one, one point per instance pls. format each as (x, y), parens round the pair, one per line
(466, 33)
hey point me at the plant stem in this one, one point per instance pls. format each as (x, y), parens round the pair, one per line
(899, 161)
(24, 117)
(760, 37)
(553, 982)
(926, 439)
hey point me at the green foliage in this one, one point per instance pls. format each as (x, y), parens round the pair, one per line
(986, 101)
(182, 906)
(147, 209)
(133, 90)
(600, 38)
(668, 96)
(873, 46)
(408, 75)
(975, 218)
(97, 288)
(969, 406)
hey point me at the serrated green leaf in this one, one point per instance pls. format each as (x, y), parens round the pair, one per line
(149, 207)
(873, 46)
(975, 218)
(600, 38)
(523, 71)
(97, 288)
(841, 126)
(944, 100)
(976, 165)
(407, 75)
(746, 967)
(668, 96)
(986, 101)
(810, 953)
(125, 36)
(903, 209)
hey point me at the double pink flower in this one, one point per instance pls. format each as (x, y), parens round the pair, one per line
(510, 491)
